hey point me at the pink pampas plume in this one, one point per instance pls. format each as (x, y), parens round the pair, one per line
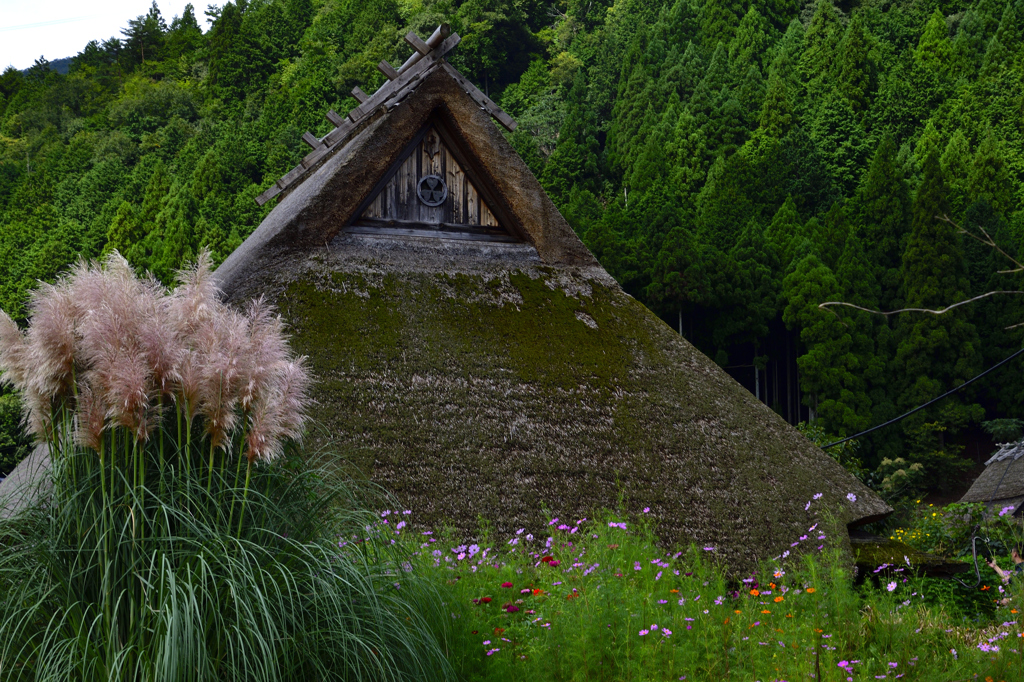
(121, 306)
(268, 352)
(52, 339)
(223, 345)
(196, 298)
(161, 341)
(278, 414)
(14, 363)
(90, 421)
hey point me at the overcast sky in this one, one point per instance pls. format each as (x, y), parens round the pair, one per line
(61, 28)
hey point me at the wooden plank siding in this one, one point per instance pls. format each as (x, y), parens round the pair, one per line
(398, 200)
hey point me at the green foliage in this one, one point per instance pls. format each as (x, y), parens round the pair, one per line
(601, 600)
(668, 132)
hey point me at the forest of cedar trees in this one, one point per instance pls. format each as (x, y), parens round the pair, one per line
(732, 164)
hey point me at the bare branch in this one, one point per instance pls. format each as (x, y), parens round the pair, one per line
(987, 241)
(917, 310)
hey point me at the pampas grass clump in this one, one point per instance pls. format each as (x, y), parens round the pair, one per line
(184, 538)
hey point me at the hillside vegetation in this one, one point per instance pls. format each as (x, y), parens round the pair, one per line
(732, 164)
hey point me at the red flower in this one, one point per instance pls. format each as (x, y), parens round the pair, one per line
(538, 591)
(486, 600)
(506, 584)
(547, 558)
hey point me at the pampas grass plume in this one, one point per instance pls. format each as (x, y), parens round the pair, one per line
(109, 346)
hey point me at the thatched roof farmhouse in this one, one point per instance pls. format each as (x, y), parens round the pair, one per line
(474, 358)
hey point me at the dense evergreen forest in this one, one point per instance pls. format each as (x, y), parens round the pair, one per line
(733, 164)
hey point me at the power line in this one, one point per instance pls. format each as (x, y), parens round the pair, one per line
(930, 402)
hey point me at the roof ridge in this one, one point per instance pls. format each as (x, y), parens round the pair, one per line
(426, 56)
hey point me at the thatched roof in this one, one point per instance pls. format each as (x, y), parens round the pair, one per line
(1001, 484)
(496, 378)
(499, 379)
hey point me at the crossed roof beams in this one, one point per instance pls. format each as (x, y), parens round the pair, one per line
(426, 56)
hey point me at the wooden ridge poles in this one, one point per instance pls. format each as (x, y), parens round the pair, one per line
(426, 55)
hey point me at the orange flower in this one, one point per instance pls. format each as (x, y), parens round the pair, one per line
(726, 622)
(818, 630)
(989, 679)
(810, 590)
(677, 592)
(538, 591)
(984, 587)
(1013, 610)
(778, 599)
(737, 611)
(765, 611)
(771, 585)
(754, 593)
(789, 615)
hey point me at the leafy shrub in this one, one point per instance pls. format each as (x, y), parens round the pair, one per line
(172, 546)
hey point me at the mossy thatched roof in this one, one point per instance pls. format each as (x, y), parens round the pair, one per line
(496, 380)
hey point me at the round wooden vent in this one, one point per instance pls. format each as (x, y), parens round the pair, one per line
(431, 190)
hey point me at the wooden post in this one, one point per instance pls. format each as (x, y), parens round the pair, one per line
(439, 35)
(310, 139)
(358, 93)
(387, 70)
(417, 43)
(334, 118)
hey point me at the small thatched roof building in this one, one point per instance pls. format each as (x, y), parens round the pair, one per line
(1001, 484)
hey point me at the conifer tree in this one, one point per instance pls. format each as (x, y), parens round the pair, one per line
(750, 93)
(882, 212)
(822, 39)
(574, 160)
(956, 160)
(934, 49)
(719, 20)
(935, 352)
(842, 140)
(854, 67)
(751, 43)
(996, 59)
(968, 47)
(988, 177)
(681, 74)
(776, 115)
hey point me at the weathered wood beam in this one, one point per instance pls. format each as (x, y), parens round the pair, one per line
(439, 35)
(387, 70)
(334, 118)
(388, 91)
(417, 43)
(392, 88)
(311, 139)
(480, 98)
(358, 93)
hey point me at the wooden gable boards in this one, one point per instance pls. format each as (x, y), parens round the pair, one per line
(429, 192)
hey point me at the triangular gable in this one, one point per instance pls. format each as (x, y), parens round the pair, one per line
(428, 192)
(336, 184)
